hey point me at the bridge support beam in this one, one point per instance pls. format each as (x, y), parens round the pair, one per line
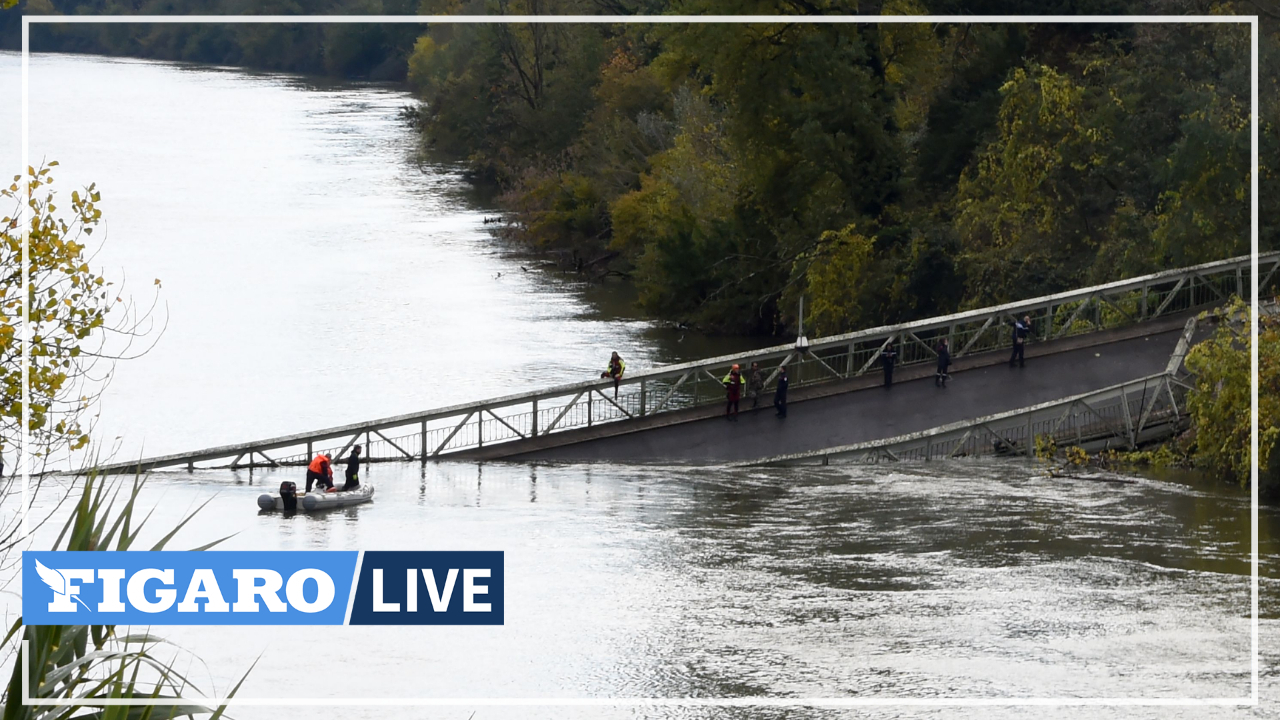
(974, 331)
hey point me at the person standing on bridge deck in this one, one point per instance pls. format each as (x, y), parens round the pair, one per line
(353, 470)
(1021, 328)
(888, 356)
(944, 361)
(780, 393)
(733, 385)
(755, 385)
(320, 472)
(615, 370)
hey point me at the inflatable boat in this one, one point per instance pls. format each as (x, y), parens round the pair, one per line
(289, 499)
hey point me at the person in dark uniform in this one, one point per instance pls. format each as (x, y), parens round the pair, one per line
(755, 385)
(888, 356)
(780, 394)
(1021, 329)
(353, 470)
(944, 361)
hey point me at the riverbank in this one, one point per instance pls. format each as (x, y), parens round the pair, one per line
(315, 273)
(331, 250)
(633, 150)
(373, 51)
(1218, 407)
(895, 185)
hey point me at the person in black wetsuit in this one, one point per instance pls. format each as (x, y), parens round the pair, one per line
(780, 393)
(888, 356)
(353, 469)
(944, 361)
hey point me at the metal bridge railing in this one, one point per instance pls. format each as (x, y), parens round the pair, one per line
(437, 433)
(1123, 415)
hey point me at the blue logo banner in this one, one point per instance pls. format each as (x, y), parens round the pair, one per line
(187, 588)
(262, 588)
(429, 588)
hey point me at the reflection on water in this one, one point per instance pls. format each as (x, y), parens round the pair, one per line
(948, 579)
(315, 274)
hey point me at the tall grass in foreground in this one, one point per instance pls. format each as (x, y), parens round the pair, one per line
(88, 662)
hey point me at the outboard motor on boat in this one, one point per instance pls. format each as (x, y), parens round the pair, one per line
(289, 495)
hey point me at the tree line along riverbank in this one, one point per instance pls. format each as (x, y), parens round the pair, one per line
(886, 172)
(1218, 408)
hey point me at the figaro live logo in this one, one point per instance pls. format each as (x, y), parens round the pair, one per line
(263, 588)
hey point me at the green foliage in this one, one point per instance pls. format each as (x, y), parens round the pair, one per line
(88, 662)
(1046, 448)
(1163, 456)
(1060, 461)
(508, 97)
(1219, 405)
(1064, 461)
(565, 208)
(1268, 125)
(837, 273)
(1205, 213)
(78, 321)
(980, 164)
(1020, 213)
(366, 51)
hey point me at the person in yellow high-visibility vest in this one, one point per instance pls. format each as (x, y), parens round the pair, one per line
(733, 386)
(615, 370)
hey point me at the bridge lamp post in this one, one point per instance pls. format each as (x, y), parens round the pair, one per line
(802, 342)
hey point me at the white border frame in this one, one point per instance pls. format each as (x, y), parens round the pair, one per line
(25, 458)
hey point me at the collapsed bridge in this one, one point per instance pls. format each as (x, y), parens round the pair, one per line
(1086, 346)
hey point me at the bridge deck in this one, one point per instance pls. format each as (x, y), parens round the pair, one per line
(656, 405)
(912, 405)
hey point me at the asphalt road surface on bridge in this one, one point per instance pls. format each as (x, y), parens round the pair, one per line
(877, 413)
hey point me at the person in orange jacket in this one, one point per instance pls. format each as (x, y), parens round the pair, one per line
(734, 384)
(320, 471)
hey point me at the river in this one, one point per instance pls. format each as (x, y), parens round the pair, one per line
(315, 272)
(312, 272)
